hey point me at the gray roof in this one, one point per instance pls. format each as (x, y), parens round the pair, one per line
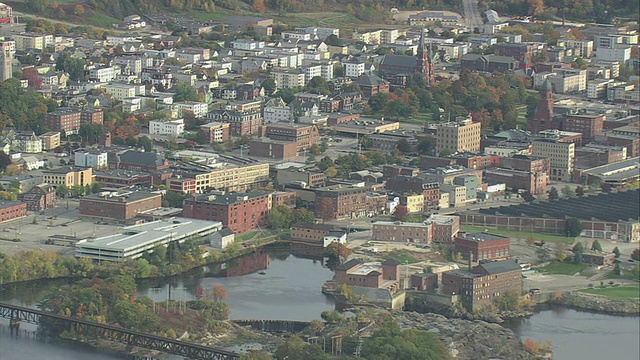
(369, 80)
(406, 61)
(497, 267)
(348, 265)
(141, 158)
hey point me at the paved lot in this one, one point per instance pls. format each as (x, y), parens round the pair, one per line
(62, 220)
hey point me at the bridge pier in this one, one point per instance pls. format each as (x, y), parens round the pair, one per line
(14, 325)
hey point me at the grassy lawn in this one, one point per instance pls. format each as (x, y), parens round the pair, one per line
(246, 237)
(562, 268)
(401, 256)
(101, 19)
(617, 292)
(519, 234)
(419, 119)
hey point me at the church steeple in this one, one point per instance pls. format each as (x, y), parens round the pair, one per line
(425, 59)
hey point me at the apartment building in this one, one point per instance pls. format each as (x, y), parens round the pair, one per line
(197, 109)
(215, 132)
(169, 127)
(561, 155)
(68, 176)
(288, 78)
(240, 212)
(463, 135)
(63, 119)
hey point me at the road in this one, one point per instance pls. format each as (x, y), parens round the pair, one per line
(472, 16)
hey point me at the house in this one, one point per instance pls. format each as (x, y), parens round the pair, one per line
(30, 163)
(40, 197)
(222, 239)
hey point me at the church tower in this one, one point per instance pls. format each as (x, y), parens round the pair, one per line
(425, 60)
(543, 118)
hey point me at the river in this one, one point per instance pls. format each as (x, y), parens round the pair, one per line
(582, 335)
(274, 284)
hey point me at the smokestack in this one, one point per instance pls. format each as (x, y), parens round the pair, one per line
(470, 260)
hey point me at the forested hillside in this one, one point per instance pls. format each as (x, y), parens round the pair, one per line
(601, 11)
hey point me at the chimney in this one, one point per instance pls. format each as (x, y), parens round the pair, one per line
(470, 260)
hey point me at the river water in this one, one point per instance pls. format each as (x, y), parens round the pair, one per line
(582, 335)
(274, 284)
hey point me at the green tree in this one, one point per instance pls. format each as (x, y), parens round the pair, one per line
(184, 92)
(616, 251)
(5, 161)
(426, 147)
(635, 255)
(596, 246)
(269, 85)
(560, 251)
(616, 270)
(567, 191)
(579, 191)
(145, 142)
(578, 247)
(318, 85)
(573, 227)
(403, 146)
(62, 191)
(280, 217)
(553, 193)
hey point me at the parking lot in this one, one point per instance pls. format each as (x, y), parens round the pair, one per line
(34, 229)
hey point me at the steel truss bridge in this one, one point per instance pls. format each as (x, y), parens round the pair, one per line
(114, 333)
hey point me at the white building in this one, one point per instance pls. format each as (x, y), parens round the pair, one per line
(354, 69)
(122, 91)
(246, 44)
(277, 113)
(91, 158)
(295, 35)
(312, 71)
(133, 241)
(198, 109)
(561, 154)
(26, 142)
(288, 78)
(597, 88)
(620, 54)
(170, 127)
(103, 74)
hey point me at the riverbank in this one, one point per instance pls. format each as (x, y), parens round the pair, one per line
(598, 303)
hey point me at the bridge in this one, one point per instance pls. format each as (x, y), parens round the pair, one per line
(16, 314)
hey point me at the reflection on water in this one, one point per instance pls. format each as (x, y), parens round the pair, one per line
(582, 335)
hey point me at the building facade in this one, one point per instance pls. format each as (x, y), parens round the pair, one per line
(460, 136)
(118, 206)
(482, 246)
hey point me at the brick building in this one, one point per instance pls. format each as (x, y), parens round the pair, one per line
(445, 227)
(371, 274)
(543, 117)
(311, 232)
(40, 197)
(63, 119)
(535, 183)
(285, 198)
(438, 228)
(341, 202)
(240, 212)
(475, 161)
(118, 206)
(215, 132)
(241, 122)
(311, 178)
(10, 210)
(138, 161)
(588, 125)
(480, 286)
(429, 190)
(482, 246)
(92, 116)
(303, 135)
(274, 149)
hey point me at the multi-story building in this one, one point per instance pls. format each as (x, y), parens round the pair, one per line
(313, 233)
(102, 74)
(535, 183)
(597, 88)
(354, 68)
(482, 246)
(274, 149)
(303, 135)
(29, 41)
(240, 212)
(462, 135)
(412, 203)
(520, 52)
(7, 49)
(197, 109)
(569, 80)
(241, 122)
(357, 274)
(340, 202)
(40, 197)
(26, 142)
(429, 190)
(121, 91)
(483, 284)
(402, 231)
(50, 140)
(445, 227)
(169, 127)
(93, 158)
(68, 176)
(10, 210)
(123, 178)
(215, 132)
(118, 206)
(561, 155)
(589, 125)
(288, 78)
(92, 116)
(228, 178)
(310, 178)
(63, 119)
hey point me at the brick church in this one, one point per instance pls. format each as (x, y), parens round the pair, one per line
(396, 68)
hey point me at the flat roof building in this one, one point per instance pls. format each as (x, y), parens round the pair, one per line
(133, 241)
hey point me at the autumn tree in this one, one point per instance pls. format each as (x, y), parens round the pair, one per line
(259, 6)
(218, 292)
(553, 193)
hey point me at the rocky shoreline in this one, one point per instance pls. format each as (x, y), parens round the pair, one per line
(468, 339)
(598, 303)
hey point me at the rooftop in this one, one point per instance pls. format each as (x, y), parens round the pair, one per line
(481, 237)
(114, 197)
